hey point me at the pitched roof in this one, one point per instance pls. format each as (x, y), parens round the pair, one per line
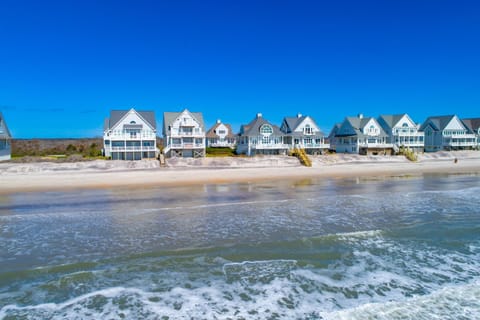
(334, 130)
(472, 123)
(211, 133)
(3, 123)
(170, 117)
(358, 123)
(117, 115)
(293, 122)
(392, 119)
(439, 122)
(253, 128)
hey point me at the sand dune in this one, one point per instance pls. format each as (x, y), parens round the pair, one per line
(17, 177)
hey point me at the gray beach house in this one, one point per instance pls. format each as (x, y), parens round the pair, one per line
(261, 137)
(362, 135)
(447, 133)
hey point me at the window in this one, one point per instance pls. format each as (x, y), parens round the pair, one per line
(265, 140)
(307, 129)
(221, 131)
(133, 122)
(266, 129)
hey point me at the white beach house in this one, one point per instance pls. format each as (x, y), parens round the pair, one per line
(362, 136)
(261, 137)
(5, 140)
(402, 131)
(447, 133)
(130, 135)
(184, 134)
(474, 125)
(221, 135)
(303, 132)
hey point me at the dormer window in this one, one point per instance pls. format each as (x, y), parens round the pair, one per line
(266, 129)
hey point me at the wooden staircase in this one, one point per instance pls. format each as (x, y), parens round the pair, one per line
(302, 156)
(163, 162)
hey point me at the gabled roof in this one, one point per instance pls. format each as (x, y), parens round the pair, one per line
(170, 117)
(358, 123)
(334, 130)
(253, 128)
(117, 115)
(292, 123)
(473, 124)
(3, 124)
(211, 133)
(392, 119)
(438, 122)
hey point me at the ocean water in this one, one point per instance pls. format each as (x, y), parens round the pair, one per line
(396, 248)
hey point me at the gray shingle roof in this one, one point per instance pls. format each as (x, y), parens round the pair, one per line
(334, 130)
(392, 119)
(359, 123)
(439, 122)
(117, 115)
(253, 128)
(4, 132)
(169, 118)
(292, 124)
(473, 124)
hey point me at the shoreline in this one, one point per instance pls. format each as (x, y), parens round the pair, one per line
(39, 177)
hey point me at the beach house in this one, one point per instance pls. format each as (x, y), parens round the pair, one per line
(332, 139)
(130, 135)
(362, 135)
(5, 140)
(184, 134)
(303, 132)
(474, 125)
(221, 135)
(447, 133)
(261, 137)
(402, 132)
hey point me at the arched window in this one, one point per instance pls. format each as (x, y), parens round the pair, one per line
(133, 122)
(266, 129)
(405, 125)
(307, 129)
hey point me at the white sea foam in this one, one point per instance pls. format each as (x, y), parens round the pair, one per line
(454, 302)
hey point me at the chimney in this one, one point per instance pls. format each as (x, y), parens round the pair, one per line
(219, 121)
(360, 115)
(299, 115)
(259, 115)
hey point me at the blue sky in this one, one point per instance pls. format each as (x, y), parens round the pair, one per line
(64, 65)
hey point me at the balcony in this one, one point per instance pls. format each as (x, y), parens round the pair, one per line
(222, 144)
(312, 145)
(375, 145)
(128, 137)
(186, 146)
(270, 146)
(131, 148)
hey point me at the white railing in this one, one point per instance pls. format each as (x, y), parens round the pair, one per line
(186, 145)
(222, 144)
(187, 134)
(460, 144)
(375, 145)
(132, 148)
(129, 137)
(270, 146)
(311, 145)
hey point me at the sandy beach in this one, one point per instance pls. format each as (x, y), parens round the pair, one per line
(44, 176)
